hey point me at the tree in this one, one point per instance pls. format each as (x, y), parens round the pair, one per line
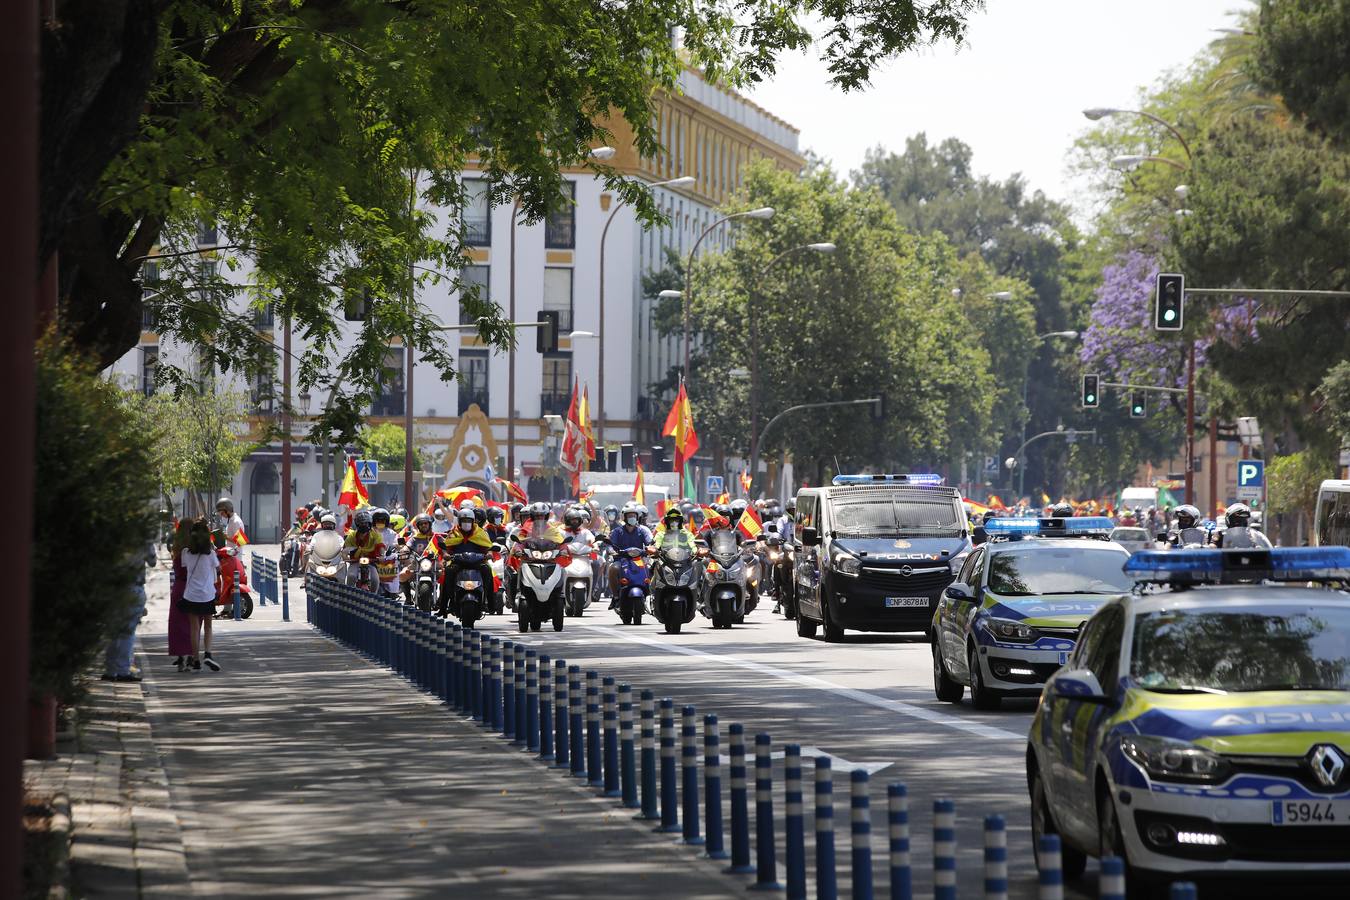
(1293, 483)
(1334, 395)
(1303, 54)
(299, 127)
(387, 443)
(200, 441)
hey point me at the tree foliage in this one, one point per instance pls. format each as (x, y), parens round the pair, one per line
(201, 442)
(1303, 54)
(1293, 483)
(387, 443)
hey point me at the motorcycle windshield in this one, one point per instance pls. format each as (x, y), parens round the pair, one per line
(676, 554)
(722, 544)
(326, 544)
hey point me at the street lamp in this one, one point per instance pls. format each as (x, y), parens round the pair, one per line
(1132, 161)
(1101, 112)
(575, 335)
(682, 181)
(762, 212)
(1026, 378)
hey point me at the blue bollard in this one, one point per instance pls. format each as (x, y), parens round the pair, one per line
(670, 817)
(627, 755)
(576, 721)
(560, 740)
(740, 811)
(862, 836)
(712, 787)
(545, 707)
(496, 667)
(897, 814)
(648, 750)
(443, 661)
(1112, 878)
(689, 771)
(1182, 890)
(766, 860)
(508, 689)
(944, 850)
(285, 599)
(1049, 862)
(827, 886)
(532, 701)
(474, 642)
(522, 699)
(995, 858)
(794, 827)
(609, 701)
(238, 606)
(456, 668)
(594, 776)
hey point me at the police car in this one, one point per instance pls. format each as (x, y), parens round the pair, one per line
(1202, 724)
(1010, 619)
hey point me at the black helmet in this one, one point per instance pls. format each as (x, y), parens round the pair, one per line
(1062, 510)
(1187, 516)
(722, 510)
(990, 515)
(515, 509)
(362, 521)
(698, 516)
(1239, 515)
(495, 515)
(573, 518)
(379, 516)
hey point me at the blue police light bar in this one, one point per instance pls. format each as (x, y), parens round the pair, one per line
(1227, 566)
(1077, 526)
(1012, 526)
(922, 479)
(1088, 525)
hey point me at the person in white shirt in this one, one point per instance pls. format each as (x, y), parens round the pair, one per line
(439, 523)
(199, 594)
(230, 523)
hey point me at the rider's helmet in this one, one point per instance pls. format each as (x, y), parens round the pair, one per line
(612, 513)
(422, 524)
(791, 506)
(538, 512)
(401, 511)
(495, 515)
(674, 517)
(515, 511)
(466, 519)
(584, 511)
(1187, 516)
(301, 513)
(643, 513)
(362, 521)
(991, 515)
(379, 517)
(398, 521)
(225, 506)
(1062, 510)
(1239, 515)
(738, 508)
(698, 517)
(328, 522)
(574, 519)
(722, 510)
(439, 513)
(630, 514)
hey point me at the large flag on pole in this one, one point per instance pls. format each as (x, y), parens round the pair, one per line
(586, 426)
(640, 485)
(680, 425)
(574, 442)
(354, 494)
(513, 490)
(750, 524)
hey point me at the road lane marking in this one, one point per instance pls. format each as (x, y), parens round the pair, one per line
(810, 681)
(838, 763)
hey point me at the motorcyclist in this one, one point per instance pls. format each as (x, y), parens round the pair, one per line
(630, 534)
(698, 520)
(230, 523)
(467, 537)
(612, 517)
(575, 531)
(382, 523)
(496, 526)
(787, 522)
(1240, 535)
(328, 522)
(672, 531)
(1187, 531)
(538, 524)
(362, 541)
(643, 514)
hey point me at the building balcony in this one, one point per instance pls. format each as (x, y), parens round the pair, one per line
(551, 404)
(469, 398)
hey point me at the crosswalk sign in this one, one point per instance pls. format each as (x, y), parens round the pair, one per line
(368, 470)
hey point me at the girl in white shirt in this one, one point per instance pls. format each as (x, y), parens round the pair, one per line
(199, 595)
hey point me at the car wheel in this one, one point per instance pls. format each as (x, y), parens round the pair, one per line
(805, 627)
(1072, 860)
(981, 697)
(1111, 842)
(948, 689)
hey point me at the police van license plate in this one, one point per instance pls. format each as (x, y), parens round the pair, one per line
(904, 602)
(1310, 812)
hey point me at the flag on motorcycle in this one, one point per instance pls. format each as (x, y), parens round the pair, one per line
(513, 490)
(587, 429)
(640, 485)
(680, 425)
(574, 443)
(239, 537)
(354, 494)
(750, 524)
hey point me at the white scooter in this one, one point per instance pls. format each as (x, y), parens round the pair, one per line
(325, 554)
(580, 578)
(539, 593)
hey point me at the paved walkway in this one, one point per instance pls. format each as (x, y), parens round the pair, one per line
(302, 770)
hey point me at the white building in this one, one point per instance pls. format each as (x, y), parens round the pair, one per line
(710, 134)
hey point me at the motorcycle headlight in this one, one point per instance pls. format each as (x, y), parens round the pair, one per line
(1174, 760)
(1011, 630)
(848, 565)
(541, 554)
(425, 566)
(365, 560)
(327, 570)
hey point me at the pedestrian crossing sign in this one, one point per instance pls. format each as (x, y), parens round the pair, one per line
(368, 470)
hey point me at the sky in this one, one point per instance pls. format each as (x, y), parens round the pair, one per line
(1014, 91)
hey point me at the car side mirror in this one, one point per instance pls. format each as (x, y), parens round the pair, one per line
(810, 537)
(960, 592)
(1078, 684)
(496, 548)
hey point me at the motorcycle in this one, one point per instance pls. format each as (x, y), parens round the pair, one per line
(229, 565)
(292, 555)
(362, 572)
(579, 578)
(780, 557)
(325, 554)
(754, 577)
(540, 583)
(498, 567)
(724, 580)
(469, 596)
(674, 585)
(633, 577)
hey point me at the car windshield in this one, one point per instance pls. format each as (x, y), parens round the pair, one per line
(891, 516)
(1068, 570)
(1304, 648)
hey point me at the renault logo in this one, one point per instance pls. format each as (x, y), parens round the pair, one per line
(1327, 764)
(906, 571)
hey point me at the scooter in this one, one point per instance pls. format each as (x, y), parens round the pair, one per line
(423, 590)
(633, 577)
(498, 566)
(292, 555)
(325, 554)
(724, 580)
(469, 596)
(579, 578)
(229, 565)
(361, 572)
(540, 583)
(674, 586)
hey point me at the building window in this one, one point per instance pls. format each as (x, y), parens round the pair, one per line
(356, 305)
(474, 276)
(557, 388)
(149, 365)
(265, 317)
(207, 234)
(473, 380)
(389, 399)
(264, 399)
(560, 228)
(477, 212)
(558, 295)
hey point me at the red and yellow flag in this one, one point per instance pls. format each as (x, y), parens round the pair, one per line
(574, 442)
(587, 429)
(995, 503)
(746, 482)
(680, 425)
(750, 525)
(354, 494)
(661, 507)
(240, 537)
(723, 498)
(513, 490)
(640, 484)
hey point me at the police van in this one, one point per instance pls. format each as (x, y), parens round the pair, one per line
(875, 552)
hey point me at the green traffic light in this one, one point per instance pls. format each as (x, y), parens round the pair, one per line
(1092, 398)
(1169, 315)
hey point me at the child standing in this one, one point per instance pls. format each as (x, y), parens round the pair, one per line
(199, 592)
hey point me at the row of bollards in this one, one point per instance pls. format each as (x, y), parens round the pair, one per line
(540, 705)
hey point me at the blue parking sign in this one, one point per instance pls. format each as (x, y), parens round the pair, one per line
(1251, 473)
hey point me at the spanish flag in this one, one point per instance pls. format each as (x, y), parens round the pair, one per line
(354, 494)
(640, 485)
(995, 502)
(680, 425)
(746, 481)
(723, 499)
(513, 490)
(457, 495)
(587, 428)
(750, 525)
(240, 538)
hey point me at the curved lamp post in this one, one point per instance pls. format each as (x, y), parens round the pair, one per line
(763, 212)
(1101, 112)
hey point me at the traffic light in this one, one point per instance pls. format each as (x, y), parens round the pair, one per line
(1091, 396)
(879, 409)
(546, 335)
(1168, 309)
(1137, 408)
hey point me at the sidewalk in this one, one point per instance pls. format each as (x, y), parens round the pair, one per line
(301, 770)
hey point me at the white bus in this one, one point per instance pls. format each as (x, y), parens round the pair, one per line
(1331, 521)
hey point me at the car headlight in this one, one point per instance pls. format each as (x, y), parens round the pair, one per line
(847, 565)
(1011, 630)
(1174, 760)
(426, 565)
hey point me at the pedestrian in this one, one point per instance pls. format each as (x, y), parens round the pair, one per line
(122, 647)
(199, 594)
(180, 637)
